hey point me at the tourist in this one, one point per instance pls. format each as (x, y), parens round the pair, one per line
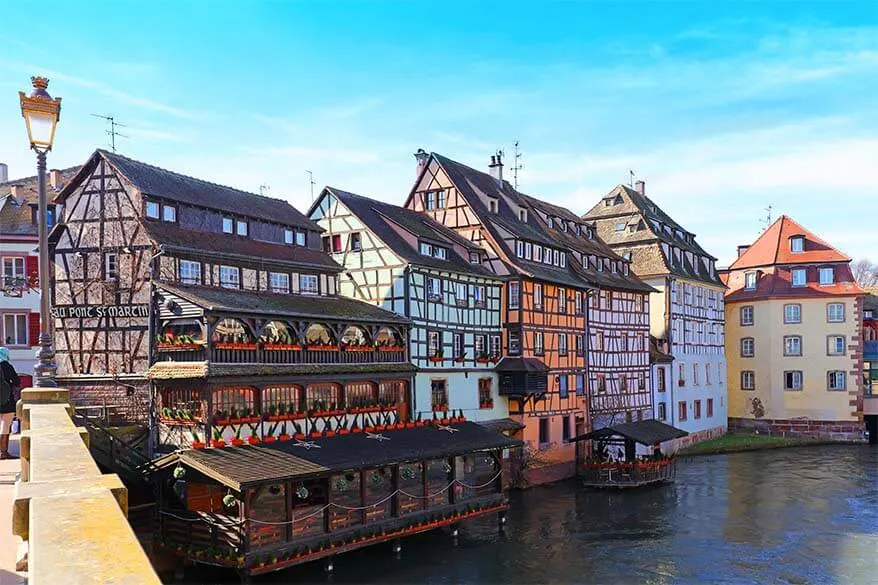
(8, 389)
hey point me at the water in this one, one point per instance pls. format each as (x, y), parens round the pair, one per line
(798, 516)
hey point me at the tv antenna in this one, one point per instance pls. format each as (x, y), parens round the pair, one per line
(631, 179)
(112, 131)
(264, 190)
(767, 218)
(311, 184)
(517, 165)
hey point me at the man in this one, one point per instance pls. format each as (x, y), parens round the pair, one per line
(9, 383)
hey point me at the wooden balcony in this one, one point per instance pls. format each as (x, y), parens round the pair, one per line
(287, 354)
(627, 475)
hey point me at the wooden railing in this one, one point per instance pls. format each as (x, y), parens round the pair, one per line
(261, 355)
(72, 517)
(627, 474)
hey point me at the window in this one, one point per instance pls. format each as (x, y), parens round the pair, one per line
(434, 343)
(556, 257)
(111, 269)
(748, 347)
(662, 411)
(522, 214)
(457, 345)
(660, 383)
(514, 345)
(440, 199)
(474, 258)
(577, 303)
(580, 384)
(434, 251)
(792, 345)
(169, 213)
(827, 276)
(565, 428)
(620, 227)
(792, 313)
(492, 206)
(13, 272)
(792, 380)
(301, 238)
(599, 340)
(485, 398)
(190, 272)
(228, 225)
(514, 295)
(562, 344)
(539, 349)
(683, 412)
(538, 296)
(519, 248)
(355, 242)
(750, 280)
(495, 346)
(544, 432)
(538, 253)
(602, 383)
(479, 296)
(695, 374)
(696, 409)
(434, 289)
(797, 244)
(430, 200)
(528, 250)
(288, 236)
(562, 300)
(580, 345)
(799, 277)
(835, 345)
(481, 346)
(279, 282)
(710, 408)
(747, 315)
(15, 329)
(308, 284)
(707, 374)
(439, 394)
(562, 385)
(835, 312)
(152, 210)
(682, 375)
(836, 380)
(460, 292)
(241, 227)
(230, 277)
(748, 380)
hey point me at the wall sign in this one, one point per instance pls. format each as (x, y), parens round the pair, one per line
(98, 311)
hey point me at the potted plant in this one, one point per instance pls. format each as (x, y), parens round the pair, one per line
(437, 356)
(236, 440)
(283, 433)
(269, 437)
(253, 439)
(482, 358)
(461, 358)
(196, 441)
(217, 440)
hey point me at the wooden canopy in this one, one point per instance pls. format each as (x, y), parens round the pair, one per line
(646, 432)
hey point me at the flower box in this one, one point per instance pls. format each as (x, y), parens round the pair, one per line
(487, 404)
(253, 440)
(482, 360)
(281, 347)
(198, 445)
(343, 431)
(321, 347)
(440, 407)
(330, 433)
(299, 436)
(391, 348)
(360, 348)
(283, 437)
(237, 421)
(268, 439)
(316, 434)
(444, 421)
(179, 346)
(237, 442)
(436, 359)
(217, 443)
(460, 359)
(247, 346)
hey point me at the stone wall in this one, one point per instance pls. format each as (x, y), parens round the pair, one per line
(852, 431)
(671, 447)
(125, 400)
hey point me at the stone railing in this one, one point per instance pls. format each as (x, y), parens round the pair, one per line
(71, 516)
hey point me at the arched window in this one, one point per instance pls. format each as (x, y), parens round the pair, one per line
(318, 334)
(233, 402)
(387, 337)
(391, 392)
(277, 333)
(322, 396)
(232, 331)
(282, 400)
(355, 336)
(181, 332)
(360, 394)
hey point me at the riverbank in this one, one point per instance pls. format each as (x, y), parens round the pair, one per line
(735, 443)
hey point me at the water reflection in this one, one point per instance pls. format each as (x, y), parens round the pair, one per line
(799, 516)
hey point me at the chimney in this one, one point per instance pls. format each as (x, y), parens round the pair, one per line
(55, 179)
(421, 156)
(15, 191)
(640, 187)
(4, 173)
(743, 248)
(496, 167)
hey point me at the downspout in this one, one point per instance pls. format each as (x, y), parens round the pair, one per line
(152, 444)
(670, 336)
(406, 303)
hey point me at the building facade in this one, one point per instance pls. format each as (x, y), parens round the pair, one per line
(20, 264)
(794, 331)
(687, 316)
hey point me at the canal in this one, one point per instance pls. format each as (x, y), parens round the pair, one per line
(799, 516)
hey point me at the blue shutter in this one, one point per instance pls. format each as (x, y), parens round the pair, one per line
(562, 385)
(580, 385)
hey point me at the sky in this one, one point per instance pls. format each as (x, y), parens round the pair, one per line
(723, 108)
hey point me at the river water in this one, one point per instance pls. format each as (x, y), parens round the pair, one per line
(800, 516)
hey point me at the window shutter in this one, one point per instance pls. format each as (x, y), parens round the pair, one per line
(32, 271)
(33, 329)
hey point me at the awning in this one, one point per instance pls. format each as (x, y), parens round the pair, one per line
(522, 364)
(646, 432)
(239, 467)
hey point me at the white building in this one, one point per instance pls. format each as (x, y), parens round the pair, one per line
(19, 265)
(686, 315)
(410, 264)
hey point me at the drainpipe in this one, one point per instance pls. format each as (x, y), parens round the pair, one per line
(669, 333)
(152, 443)
(406, 302)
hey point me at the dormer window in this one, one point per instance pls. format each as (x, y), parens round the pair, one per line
(228, 225)
(522, 214)
(799, 277)
(288, 236)
(620, 227)
(615, 266)
(492, 206)
(750, 281)
(625, 269)
(797, 244)
(600, 264)
(301, 238)
(827, 276)
(169, 213)
(538, 253)
(152, 210)
(433, 251)
(241, 228)
(474, 258)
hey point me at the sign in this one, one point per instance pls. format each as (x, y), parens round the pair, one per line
(98, 311)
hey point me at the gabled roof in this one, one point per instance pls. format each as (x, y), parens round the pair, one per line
(773, 247)
(15, 212)
(386, 221)
(172, 186)
(646, 432)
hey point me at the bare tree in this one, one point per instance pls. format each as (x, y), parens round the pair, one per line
(865, 273)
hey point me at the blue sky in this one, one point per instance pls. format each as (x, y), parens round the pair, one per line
(723, 108)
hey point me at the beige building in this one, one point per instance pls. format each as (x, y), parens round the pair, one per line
(793, 336)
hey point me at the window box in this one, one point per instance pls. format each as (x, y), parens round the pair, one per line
(486, 404)
(460, 359)
(179, 346)
(281, 347)
(198, 445)
(483, 359)
(225, 345)
(222, 419)
(440, 408)
(436, 359)
(321, 347)
(253, 440)
(360, 348)
(391, 348)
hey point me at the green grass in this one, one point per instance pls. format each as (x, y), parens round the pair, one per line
(735, 443)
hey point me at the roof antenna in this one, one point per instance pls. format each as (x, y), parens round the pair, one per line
(264, 190)
(112, 131)
(517, 166)
(767, 218)
(312, 183)
(631, 179)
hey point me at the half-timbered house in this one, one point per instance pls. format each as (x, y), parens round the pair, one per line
(687, 314)
(408, 263)
(539, 250)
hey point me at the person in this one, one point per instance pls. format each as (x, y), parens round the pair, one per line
(9, 383)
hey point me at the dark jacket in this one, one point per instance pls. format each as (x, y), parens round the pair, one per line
(9, 384)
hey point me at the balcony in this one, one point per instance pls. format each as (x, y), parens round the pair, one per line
(258, 353)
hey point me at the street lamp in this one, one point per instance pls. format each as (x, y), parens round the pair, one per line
(41, 113)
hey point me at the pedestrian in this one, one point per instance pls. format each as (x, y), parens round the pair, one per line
(9, 383)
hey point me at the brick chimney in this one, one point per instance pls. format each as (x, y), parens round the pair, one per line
(421, 156)
(15, 191)
(640, 187)
(55, 179)
(743, 248)
(496, 167)
(4, 173)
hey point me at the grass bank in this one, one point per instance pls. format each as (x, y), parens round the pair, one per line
(734, 443)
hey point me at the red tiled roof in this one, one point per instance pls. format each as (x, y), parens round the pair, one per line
(773, 247)
(775, 282)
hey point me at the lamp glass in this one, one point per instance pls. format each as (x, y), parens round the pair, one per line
(40, 127)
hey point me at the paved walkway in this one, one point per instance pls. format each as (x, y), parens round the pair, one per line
(9, 470)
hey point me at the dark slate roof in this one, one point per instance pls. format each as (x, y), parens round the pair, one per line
(646, 432)
(201, 370)
(657, 355)
(335, 308)
(198, 243)
(166, 184)
(521, 364)
(386, 221)
(15, 212)
(870, 301)
(502, 424)
(281, 460)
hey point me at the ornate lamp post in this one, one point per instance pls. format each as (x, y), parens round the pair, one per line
(41, 113)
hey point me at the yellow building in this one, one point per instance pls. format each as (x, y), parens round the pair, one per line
(794, 337)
